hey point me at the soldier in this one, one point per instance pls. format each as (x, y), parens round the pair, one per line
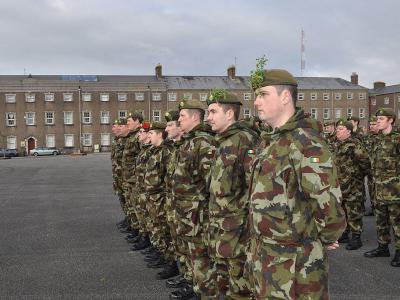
(329, 134)
(190, 191)
(228, 207)
(386, 167)
(295, 210)
(131, 150)
(357, 130)
(352, 163)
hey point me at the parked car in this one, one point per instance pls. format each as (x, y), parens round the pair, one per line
(14, 152)
(5, 153)
(44, 151)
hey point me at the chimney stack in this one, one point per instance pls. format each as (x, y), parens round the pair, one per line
(232, 72)
(354, 78)
(379, 85)
(158, 71)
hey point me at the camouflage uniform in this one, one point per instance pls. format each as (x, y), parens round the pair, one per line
(131, 150)
(228, 209)
(119, 150)
(368, 143)
(352, 163)
(386, 169)
(294, 211)
(189, 189)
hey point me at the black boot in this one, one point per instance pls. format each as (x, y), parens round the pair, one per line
(152, 257)
(134, 233)
(396, 260)
(177, 282)
(381, 251)
(159, 263)
(355, 242)
(142, 244)
(171, 270)
(123, 223)
(344, 238)
(149, 250)
(184, 293)
(135, 239)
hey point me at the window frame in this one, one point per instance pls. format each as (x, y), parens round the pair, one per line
(103, 118)
(122, 97)
(104, 97)
(87, 142)
(46, 118)
(9, 143)
(102, 135)
(315, 114)
(139, 96)
(30, 96)
(66, 96)
(14, 96)
(156, 118)
(33, 118)
(72, 117)
(14, 119)
(69, 135)
(174, 98)
(326, 113)
(89, 117)
(47, 140)
(89, 95)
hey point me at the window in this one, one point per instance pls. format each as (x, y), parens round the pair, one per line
(68, 140)
(325, 96)
(247, 96)
(11, 119)
(373, 102)
(104, 97)
(105, 139)
(139, 96)
(50, 140)
(87, 97)
(30, 118)
(87, 139)
(10, 98)
(86, 117)
(205, 115)
(349, 96)
(156, 115)
(122, 97)
(11, 142)
(314, 113)
(122, 114)
(187, 96)
(156, 96)
(338, 96)
(398, 98)
(246, 113)
(386, 100)
(67, 97)
(361, 113)
(362, 96)
(49, 117)
(49, 97)
(313, 96)
(104, 117)
(203, 96)
(30, 97)
(349, 112)
(300, 96)
(171, 96)
(326, 113)
(338, 113)
(68, 117)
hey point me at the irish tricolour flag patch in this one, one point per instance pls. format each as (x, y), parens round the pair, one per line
(314, 159)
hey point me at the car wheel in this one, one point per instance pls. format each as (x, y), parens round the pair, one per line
(55, 153)
(35, 154)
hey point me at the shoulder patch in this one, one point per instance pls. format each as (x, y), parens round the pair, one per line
(315, 159)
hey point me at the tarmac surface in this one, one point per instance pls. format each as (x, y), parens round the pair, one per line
(58, 239)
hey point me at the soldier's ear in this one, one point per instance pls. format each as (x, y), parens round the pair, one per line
(286, 97)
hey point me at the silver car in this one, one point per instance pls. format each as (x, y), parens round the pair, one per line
(44, 151)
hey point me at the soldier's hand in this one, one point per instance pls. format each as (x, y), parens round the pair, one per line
(332, 246)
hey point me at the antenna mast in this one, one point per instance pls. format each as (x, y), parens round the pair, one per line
(303, 53)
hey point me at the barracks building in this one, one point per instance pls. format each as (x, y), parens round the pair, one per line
(76, 112)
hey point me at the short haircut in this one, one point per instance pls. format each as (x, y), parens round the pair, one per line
(292, 90)
(197, 111)
(235, 108)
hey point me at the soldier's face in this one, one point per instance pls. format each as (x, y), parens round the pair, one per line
(383, 122)
(217, 118)
(342, 133)
(155, 137)
(124, 130)
(373, 127)
(114, 129)
(269, 104)
(355, 124)
(186, 120)
(329, 128)
(173, 130)
(142, 136)
(133, 124)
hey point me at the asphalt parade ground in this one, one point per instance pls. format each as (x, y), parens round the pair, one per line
(58, 239)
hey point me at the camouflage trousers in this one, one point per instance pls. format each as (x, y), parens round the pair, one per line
(288, 272)
(157, 222)
(388, 216)
(201, 265)
(172, 252)
(354, 215)
(184, 261)
(130, 206)
(141, 211)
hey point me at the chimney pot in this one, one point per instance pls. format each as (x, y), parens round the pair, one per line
(158, 71)
(379, 85)
(232, 72)
(354, 78)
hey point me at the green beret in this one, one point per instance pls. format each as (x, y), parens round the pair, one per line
(372, 119)
(191, 104)
(116, 122)
(172, 115)
(353, 118)
(276, 77)
(329, 122)
(222, 97)
(388, 112)
(123, 121)
(157, 126)
(135, 115)
(345, 123)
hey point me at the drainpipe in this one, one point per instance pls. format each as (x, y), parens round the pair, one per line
(80, 119)
(149, 102)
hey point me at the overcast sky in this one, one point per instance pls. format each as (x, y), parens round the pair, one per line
(201, 37)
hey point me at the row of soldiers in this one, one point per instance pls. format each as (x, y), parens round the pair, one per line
(236, 210)
(373, 155)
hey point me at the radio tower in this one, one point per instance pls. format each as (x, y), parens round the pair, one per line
(303, 53)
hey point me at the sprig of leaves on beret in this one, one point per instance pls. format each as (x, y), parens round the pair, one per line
(257, 75)
(217, 94)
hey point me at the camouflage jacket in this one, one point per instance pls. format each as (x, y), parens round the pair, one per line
(228, 198)
(331, 140)
(131, 150)
(190, 180)
(294, 192)
(369, 141)
(140, 169)
(352, 164)
(386, 166)
(170, 171)
(118, 160)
